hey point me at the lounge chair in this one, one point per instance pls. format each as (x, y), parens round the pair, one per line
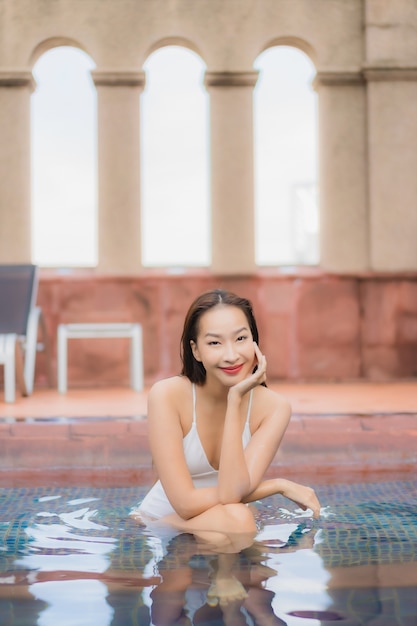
(20, 320)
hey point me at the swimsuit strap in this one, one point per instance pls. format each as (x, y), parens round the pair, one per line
(194, 403)
(249, 406)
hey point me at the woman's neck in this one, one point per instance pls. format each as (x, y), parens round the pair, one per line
(214, 391)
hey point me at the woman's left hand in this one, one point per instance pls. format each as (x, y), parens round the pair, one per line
(304, 497)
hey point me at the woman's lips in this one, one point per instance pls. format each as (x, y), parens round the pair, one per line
(232, 370)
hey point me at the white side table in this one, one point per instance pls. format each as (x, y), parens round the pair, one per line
(107, 331)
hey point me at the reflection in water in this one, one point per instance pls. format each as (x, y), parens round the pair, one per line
(76, 570)
(89, 609)
(65, 545)
(198, 586)
(77, 560)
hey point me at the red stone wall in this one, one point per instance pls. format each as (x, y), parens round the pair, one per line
(313, 326)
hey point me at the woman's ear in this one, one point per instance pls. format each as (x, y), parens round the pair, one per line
(195, 351)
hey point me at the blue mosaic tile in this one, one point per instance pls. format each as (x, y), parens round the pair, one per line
(89, 529)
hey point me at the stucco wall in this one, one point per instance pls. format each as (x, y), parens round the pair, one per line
(228, 34)
(365, 53)
(312, 325)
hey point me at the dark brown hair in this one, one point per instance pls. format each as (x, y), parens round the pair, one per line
(192, 368)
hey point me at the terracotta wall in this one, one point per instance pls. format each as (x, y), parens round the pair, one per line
(313, 326)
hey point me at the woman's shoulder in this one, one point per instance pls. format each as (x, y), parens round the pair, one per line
(175, 386)
(272, 401)
(168, 398)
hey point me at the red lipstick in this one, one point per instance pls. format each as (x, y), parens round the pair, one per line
(235, 369)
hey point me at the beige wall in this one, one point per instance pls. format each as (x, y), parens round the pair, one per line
(365, 52)
(15, 185)
(391, 73)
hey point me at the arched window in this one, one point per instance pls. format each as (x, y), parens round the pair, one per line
(175, 160)
(286, 192)
(64, 155)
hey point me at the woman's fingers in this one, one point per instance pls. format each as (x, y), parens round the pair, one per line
(261, 370)
(257, 377)
(304, 496)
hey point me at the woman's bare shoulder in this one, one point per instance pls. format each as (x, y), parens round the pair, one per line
(173, 387)
(272, 401)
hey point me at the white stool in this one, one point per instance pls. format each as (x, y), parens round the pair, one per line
(102, 330)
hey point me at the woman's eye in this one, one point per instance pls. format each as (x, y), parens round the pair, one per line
(242, 338)
(214, 343)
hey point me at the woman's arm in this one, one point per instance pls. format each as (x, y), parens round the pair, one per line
(242, 470)
(302, 495)
(166, 443)
(234, 480)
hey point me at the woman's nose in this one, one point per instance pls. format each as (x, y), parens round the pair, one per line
(230, 353)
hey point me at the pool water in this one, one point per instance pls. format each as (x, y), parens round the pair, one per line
(73, 556)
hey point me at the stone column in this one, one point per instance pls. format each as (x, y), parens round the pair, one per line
(392, 136)
(119, 221)
(342, 170)
(16, 87)
(232, 175)
(391, 74)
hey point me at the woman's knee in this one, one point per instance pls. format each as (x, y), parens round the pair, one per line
(241, 517)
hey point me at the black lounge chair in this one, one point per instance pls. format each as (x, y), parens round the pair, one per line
(20, 320)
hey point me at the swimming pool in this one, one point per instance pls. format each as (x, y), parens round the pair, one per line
(72, 556)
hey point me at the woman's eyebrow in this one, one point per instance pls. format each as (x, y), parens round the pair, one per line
(235, 332)
(239, 330)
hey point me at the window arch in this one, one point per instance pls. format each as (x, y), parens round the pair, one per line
(64, 160)
(285, 140)
(175, 160)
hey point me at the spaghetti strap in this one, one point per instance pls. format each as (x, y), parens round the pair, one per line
(249, 406)
(194, 403)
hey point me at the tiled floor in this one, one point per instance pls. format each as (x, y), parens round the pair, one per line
(336, 429)
(310, 398)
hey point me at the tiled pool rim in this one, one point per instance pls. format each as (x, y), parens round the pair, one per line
(99, 436)
(114, 450)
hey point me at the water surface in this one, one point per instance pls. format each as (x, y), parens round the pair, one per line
(73, 556)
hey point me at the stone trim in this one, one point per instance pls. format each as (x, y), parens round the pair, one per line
(231, 79)
(381, 73)
(335, 77)
(17, 78)
(369, 73)
(119, 78)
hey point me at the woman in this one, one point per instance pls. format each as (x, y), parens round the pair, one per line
(215, 429)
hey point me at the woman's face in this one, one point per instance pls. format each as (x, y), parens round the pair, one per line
(224, 344)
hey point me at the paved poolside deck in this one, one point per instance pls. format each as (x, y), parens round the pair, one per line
(338, 431)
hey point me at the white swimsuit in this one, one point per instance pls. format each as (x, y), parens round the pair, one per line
(156, 503)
